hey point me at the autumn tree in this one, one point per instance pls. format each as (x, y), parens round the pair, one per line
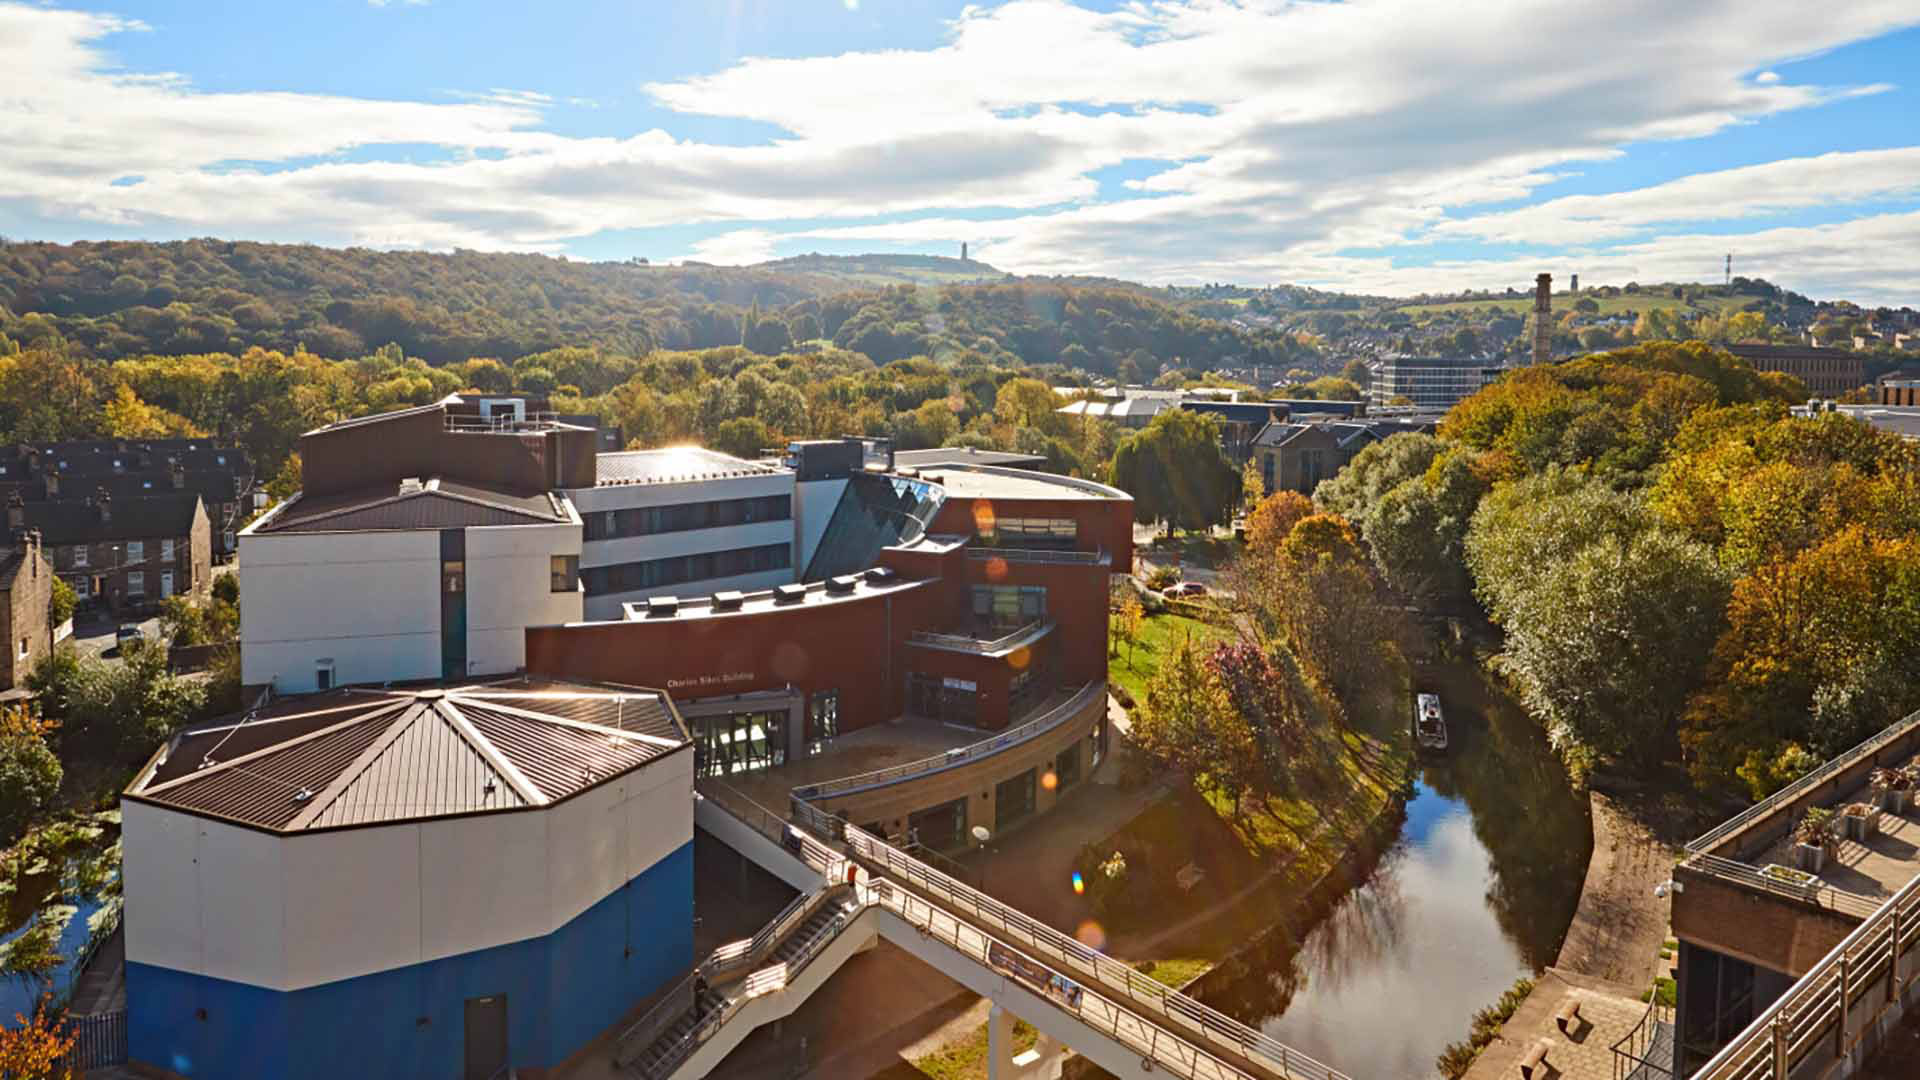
(1272, 518)
(36, 1047)
(30, 774)
(1188, 722)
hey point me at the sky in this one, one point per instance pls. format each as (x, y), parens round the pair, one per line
(1380, 146)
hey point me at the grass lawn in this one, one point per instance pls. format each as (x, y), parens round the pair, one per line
(1176, 972)
(967, 1059)
(1159, 635)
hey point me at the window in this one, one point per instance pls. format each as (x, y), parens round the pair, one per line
(136, 584)
(23, 648)
(1097, 742)
(1013, 800)
(739, 742)
(79, 554)
(565, 571)
(82, 587)
(166, 551)
(136, 551)
(681, 517)
(823, 720)
(323, 675)
(1009, 605)
(1066, 767)
(453, 575)
(1033, 532)
(678, 569)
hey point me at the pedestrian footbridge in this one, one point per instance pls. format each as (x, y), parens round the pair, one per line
(855, 890)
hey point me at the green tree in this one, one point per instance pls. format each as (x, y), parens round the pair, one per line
(1175, 472)
(1188, 722)
(29, 772)
(743, 437)
(61, 606)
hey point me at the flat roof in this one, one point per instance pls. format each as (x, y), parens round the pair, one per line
(376, 756)
(962, 455)
(989, 482)
(675, 465)
(872, 582)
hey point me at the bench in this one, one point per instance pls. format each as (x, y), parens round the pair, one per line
(1532, 1063)
(1567, 1016)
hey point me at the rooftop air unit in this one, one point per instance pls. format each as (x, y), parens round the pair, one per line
(663, 607)
(729, 600)
(842, 584)
(789, 594)
(880, 575)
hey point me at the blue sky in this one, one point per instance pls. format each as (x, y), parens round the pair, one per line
(1379, 145)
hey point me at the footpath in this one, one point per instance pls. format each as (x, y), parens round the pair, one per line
(1610, 957)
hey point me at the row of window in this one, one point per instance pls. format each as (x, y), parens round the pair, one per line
(680, 517)
(675, 569)
(136, 552)
(1032, 532)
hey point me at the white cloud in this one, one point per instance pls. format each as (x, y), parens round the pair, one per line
(1295, 133)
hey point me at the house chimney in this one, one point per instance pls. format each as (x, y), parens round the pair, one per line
(16, 512)
(1542, 318)
(103, 505)
(177, 475)
(53, 484)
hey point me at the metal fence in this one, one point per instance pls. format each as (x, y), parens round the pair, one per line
(1038, 555)
(965, 643)
(1013, 736)
(1823, 1017)
(98, 1040)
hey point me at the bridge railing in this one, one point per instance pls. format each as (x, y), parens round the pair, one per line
(1013, 736)
(1822, 1017)
(1208, 1025)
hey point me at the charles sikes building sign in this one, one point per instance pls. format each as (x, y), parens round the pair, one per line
(711, 682)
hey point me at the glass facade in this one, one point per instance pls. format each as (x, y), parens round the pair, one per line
(1009, 606)
(1013, 800)
(942, 828)
(738, 742)
(676, 569)
(823, 720)
(1016, 532)
(874, 512)
(681, 517)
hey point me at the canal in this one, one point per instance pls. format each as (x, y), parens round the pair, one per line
(1475, 891)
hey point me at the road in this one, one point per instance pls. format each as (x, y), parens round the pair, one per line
(93, 632)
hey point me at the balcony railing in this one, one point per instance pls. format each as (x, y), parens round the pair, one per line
(1052, 718)
(1839, 1001)
(1039, 555)
(983, 646)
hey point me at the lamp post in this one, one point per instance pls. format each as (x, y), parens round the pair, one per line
(982, 834)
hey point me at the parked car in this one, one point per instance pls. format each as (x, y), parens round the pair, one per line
(126, 635)
(1185, 588)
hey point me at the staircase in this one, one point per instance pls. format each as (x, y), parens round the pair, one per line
(686, 1032)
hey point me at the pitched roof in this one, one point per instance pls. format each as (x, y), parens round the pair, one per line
(368, 757)
(435, 504)
(78, 521)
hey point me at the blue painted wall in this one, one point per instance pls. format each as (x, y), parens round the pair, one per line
(562, 990)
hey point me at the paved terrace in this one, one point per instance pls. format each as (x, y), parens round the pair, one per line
(881, 746)
(1860, 875)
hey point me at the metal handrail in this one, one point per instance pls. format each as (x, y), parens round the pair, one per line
(969, 643)
(1211, 1025)
(1787, 795)
(1632, 1046)
(1037, 555)
(1822, 895)
(1792, 1028)
(1047, 721)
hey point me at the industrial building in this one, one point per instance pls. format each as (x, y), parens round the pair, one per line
(1430, 382)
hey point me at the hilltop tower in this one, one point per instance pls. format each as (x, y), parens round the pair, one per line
(1542, 318)
(963, 251)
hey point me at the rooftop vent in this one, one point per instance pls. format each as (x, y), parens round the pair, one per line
(880, 575)
(728, 600)
(663, 607)
(789, 594)
(411, 485)
(842, 584)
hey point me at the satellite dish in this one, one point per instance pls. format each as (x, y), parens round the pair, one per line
(981, 834)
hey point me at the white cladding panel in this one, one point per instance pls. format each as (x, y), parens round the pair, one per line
(353, 903)
(370, 601)
(484, 882)
(160, 870)
(509, 588)
(288, 912)
(608, 836)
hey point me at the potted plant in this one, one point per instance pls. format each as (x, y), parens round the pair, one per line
(1861, 820)
(1894, 788)
(1812, 838)
(1799, 879)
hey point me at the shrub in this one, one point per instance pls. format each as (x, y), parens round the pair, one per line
(29, 772)
(1163, 577)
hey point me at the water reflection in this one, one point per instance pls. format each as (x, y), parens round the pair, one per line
(1478, 890)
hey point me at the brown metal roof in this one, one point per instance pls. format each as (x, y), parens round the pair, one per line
(366, 757)
(436, 504)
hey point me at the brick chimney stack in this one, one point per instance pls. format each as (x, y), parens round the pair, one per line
(177, 475)
(1542, 318)
(103, 505)
(53, 483)
(16, 512)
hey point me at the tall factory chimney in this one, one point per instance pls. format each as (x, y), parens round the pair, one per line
(1542, 318)
(1573, 287)
(963, 251)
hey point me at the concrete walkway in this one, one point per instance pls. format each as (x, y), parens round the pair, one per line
(1620, 925)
